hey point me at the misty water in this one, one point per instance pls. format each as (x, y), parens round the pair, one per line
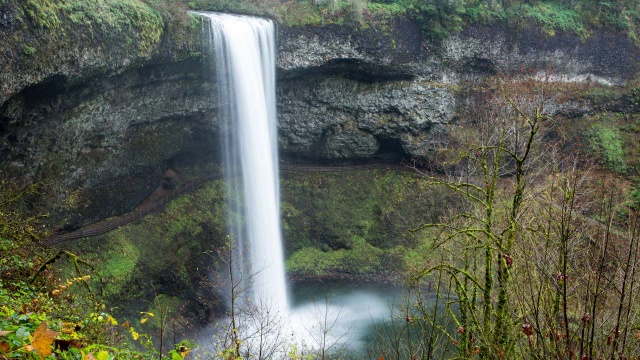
(355, 312)
(352, 315)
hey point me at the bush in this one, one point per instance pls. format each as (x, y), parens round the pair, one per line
(552, 17)
(606, 141)
(362, 258)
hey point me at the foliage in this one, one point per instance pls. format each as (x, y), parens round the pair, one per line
(605, 140)
(361, 258)
(552, 17)
(163, 253)
(142, 25)
(28, 50)
(43, 315)
(535, 267)
(317, 208)
(387, 9)
(441, 18)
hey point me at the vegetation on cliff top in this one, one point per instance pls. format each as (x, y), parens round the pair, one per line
(94, 36)
(443, 17)
(439, 17)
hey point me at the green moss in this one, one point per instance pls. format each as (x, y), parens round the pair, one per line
(162, 252)
(131, 21)
(28, 50)
(358, 222)
(351, 220)
(118, 263)
(605, 140)
(43, 13)
(384, 9)
(362, 258)
(111, 30)
(552, 16)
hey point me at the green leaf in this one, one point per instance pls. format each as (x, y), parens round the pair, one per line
(22, 333)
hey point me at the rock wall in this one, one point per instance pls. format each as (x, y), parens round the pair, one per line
(99, 121)
(335, 117)
(101, 147)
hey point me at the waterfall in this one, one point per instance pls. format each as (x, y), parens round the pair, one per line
(244, 52)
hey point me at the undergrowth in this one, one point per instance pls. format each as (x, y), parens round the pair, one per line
(46, 313)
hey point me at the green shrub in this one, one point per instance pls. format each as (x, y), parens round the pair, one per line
(362, 258)
(393, 9)
(606, 141)
(552, 17)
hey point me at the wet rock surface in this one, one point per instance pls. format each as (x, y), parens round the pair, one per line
(103, 146)
(101, 125)
(347, 118)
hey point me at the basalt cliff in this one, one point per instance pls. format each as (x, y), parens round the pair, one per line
(99, 114)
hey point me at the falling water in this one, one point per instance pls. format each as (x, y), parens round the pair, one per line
(244, 52)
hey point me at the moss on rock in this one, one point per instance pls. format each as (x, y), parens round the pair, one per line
(79, 39)
(355, 222)
(164, 253)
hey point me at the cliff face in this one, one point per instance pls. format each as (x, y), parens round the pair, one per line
(101, 119)
(347, 93)
(102, 147)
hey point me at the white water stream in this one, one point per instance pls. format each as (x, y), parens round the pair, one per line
(244, 49)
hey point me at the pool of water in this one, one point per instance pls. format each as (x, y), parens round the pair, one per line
(339, 317)
(342, 315)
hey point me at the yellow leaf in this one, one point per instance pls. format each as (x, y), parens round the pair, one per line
(42, 340)
(111, 320)
(102, 355)
(144, 320)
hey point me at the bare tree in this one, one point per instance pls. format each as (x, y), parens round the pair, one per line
(327, 340)
(251, 330)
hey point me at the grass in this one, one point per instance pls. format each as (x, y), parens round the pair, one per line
(169, 244)
(118, 264)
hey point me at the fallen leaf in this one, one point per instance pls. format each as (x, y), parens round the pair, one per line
(3, 333)
(4, 347)
(88, 356)
(42, 340)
